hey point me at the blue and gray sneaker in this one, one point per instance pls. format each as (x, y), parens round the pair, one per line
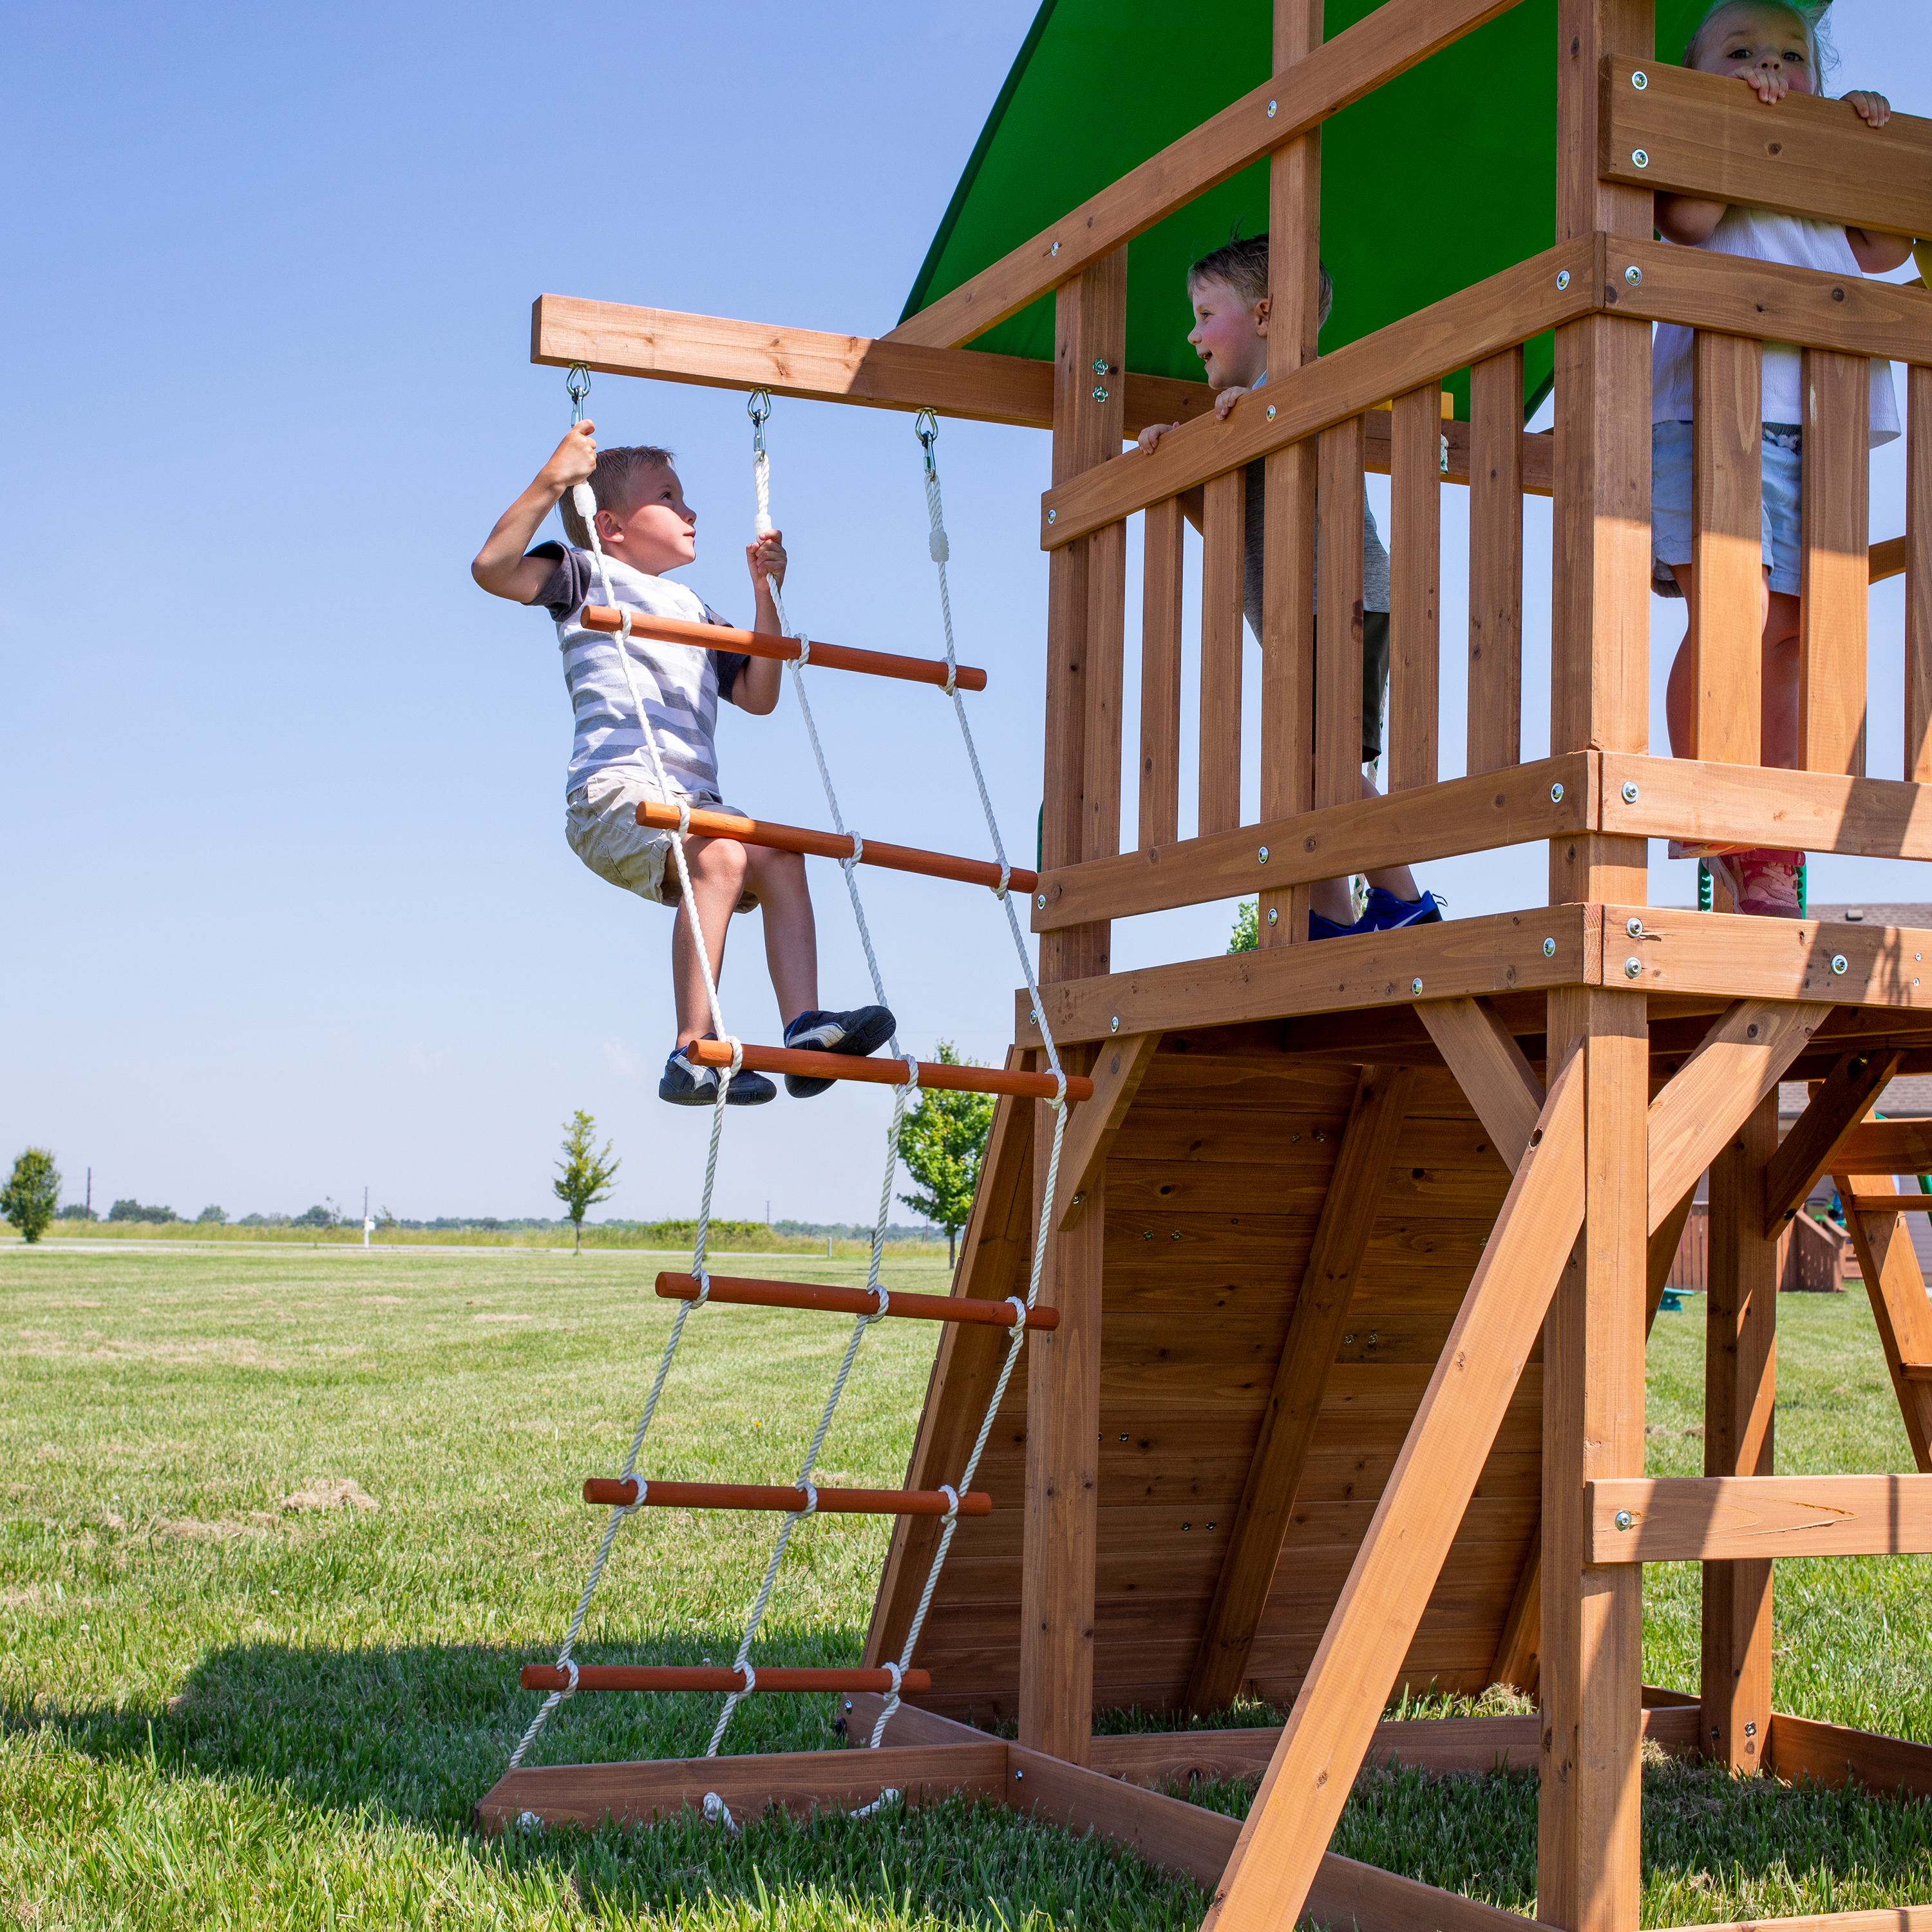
(859, 1031)
(684, 1085)
(1385, 911)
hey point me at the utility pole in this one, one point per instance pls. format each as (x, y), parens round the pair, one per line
(90, 1194)
(366, 1223)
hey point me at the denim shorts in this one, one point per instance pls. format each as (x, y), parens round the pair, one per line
(1670, 482)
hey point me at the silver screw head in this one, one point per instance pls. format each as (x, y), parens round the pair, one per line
(1261, 855)
(1039, 900)
(1623, 1519)
(1100, 365)
(1274, 914)
(1078, 1197)
(1839, 964)
(1099, 393)
(1630, 792)
(1550, 949)
(1414, 987)
(1274, 107)
(1556, 794)
(1633, 969)
(1054, 250)
(1639, 158)
(1562, 278)
(1270, 412)
(1634, 927)
(1639, 80)
(1053, 516)
(1114, 1025)
(1633, 275)
(1033, 1015)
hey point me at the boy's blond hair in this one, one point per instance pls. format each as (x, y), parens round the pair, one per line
(615, 481)
(1243, 264)
(1810, 14)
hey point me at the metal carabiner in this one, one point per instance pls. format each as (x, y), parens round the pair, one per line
(925, 426)
(758, 407)
(576, 386)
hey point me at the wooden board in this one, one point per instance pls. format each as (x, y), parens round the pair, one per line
(1680, 1519)
(1784, 959)
(1835, 1755)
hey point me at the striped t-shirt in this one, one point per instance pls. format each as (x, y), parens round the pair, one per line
(679, 684)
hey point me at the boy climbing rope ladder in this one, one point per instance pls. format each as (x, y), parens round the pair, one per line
(645, 528)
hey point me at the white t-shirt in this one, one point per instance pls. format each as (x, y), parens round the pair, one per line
(1762, 236)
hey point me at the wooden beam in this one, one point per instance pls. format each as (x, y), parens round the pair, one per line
(1223, 531)
(1892, 1919)
(1915, 1203)
(1454, 465)
(1266, 1507)
(1159, 816)
(1495, 563)
(1688, 1518)
(1703, 1104)
(1807, 1153)
(1550, 799)
(1880, 1149)
(1491, 315)
(1895, 1285)
(1389, 42)
(1118, 1069)
(801, 1782)
(1494, 953)
(1338, 617)
(717, 353)
(1270, 1878)
(1740, 1384)
(1496, 1078)
(1832, 603)
(1727, 547)
(1914, 556)
(1834, 1755)
(1706, 135)
(1415, 570)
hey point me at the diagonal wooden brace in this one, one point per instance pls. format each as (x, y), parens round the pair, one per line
(1118, 1069)
(1844, 1098)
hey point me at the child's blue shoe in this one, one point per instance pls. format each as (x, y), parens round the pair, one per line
(858, 1032)
(684, 1085)
(1385, 911)
(1319, 928)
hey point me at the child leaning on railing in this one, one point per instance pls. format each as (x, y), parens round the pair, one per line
(1774, 48)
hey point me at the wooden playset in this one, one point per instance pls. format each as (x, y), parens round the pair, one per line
(1333, 1382)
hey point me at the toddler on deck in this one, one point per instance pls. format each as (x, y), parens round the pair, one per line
(1772, 46)
(1229, 292)
(646, 528)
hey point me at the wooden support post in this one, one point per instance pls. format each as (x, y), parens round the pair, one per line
(1727, 547)
(1919, 575)
(1287, 534)
(1106, 653)
(1160, 676)
(1896, 1286)
(1836, 572)
(1056, 1692)
(1338, 618)
(1223, 529)
(1740, 1379)
(1495, 562)
(1587, 1872)
(1415, 553)
(1288, 1425)
(1279, 1854)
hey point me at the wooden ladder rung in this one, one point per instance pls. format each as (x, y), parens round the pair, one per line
(621, 1492)
(853, 1301)
(763, 644)
(706, 1677)
(886, 1073)
(1891, 1204)
(661, 817)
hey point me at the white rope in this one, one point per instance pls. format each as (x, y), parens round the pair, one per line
(584, 498)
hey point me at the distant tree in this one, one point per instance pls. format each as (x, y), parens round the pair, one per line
(942, 1141)
(320, 1215)
(1246, 936)
(132, 1211)
(584, 1174)
(217, 1216)
(29, 1198)
(77, 1210)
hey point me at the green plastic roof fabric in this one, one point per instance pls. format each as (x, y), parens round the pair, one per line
(1435, 181)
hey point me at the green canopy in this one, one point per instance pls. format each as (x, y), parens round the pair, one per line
(1439, 178)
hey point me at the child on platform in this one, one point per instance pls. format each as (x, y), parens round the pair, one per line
(1229, 291)
(1773, 47)
(646, 529)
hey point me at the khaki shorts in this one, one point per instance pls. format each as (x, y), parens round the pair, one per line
(600, 823)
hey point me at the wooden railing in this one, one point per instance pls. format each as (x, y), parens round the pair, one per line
(1310, 727)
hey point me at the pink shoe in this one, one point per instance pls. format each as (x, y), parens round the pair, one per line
(1762, 884)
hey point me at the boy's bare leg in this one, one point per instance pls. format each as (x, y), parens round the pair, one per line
(1778, 714)
(1332, 899)
(791, 935)
(722, 870)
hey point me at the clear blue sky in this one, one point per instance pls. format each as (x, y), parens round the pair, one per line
(289, 909)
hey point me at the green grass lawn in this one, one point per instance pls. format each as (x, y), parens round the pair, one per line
(281, 1526)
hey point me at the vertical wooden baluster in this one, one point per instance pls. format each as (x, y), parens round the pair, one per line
(1415, 549)
(1919, 576)
(1288, 538)
(1106, 651)
(1727, 549)
(1222, 540)
(1836, 573)
(1160, 676)
(1338, 621)
(1495, 562)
